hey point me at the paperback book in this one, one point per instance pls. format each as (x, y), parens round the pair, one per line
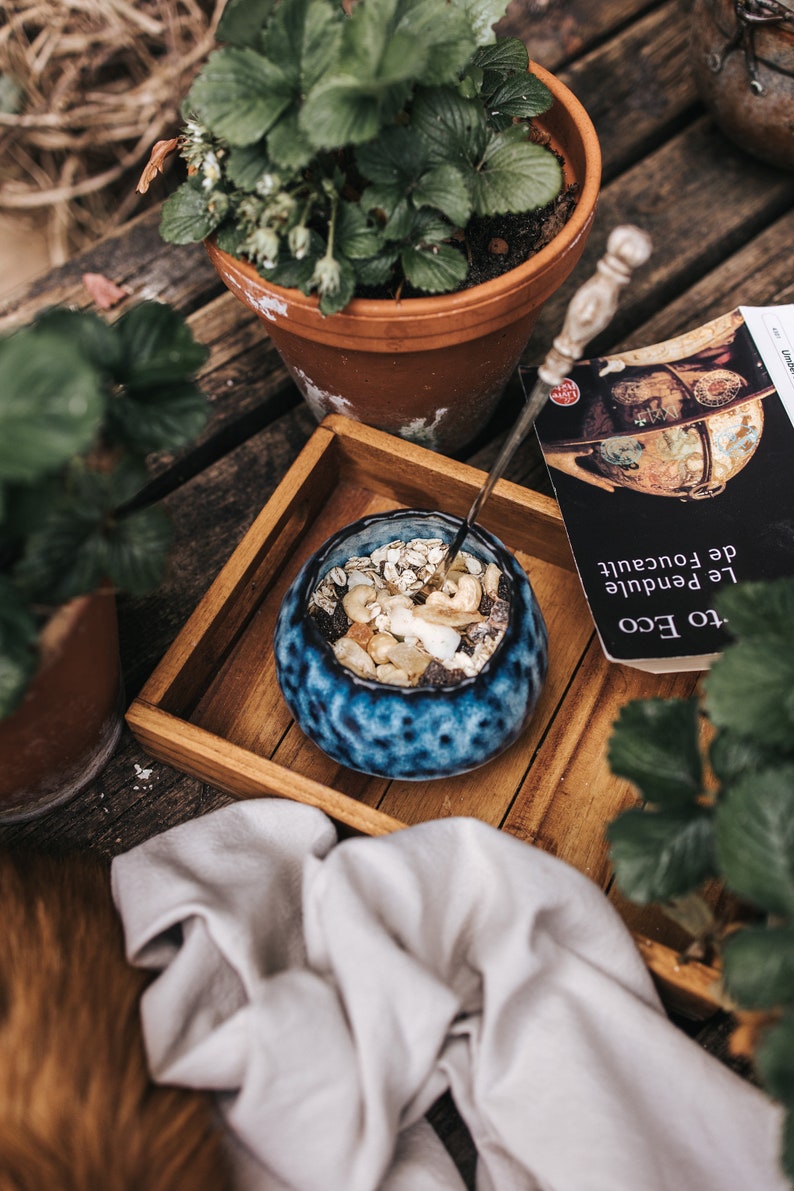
(673, 466)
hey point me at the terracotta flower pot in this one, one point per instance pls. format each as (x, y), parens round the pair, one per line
(428, 369)
(743, 65)
(69, 721)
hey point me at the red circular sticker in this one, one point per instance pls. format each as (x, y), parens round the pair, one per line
(565, 393)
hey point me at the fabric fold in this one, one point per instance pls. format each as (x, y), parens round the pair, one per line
(332, 991)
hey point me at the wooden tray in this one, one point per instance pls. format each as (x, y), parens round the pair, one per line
(212, 708)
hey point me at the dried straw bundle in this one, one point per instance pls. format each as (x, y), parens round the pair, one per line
(86, 87)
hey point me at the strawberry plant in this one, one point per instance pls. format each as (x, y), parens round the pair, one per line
(344, 152)
(82, 403)
(725, 810)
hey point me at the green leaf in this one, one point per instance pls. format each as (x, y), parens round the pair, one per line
(375, 48)
(158, 346)
(435, 268)
(65, 558)
(445, 32)
(749, 690)
(396, 159)
(230, 239)
(186, 217)
(483, 15)
(660, 855)
(775, 1060)
(755, 839)
(515, 175)
(364, 89)
(349, 111)
(95, 339)
(452, 128)
(522, 95)
(84, 541)
(354, 237)
(732, 756)
(18, 647)
(294, 274)
(759, 966)
(505, 56)
(401, 223)
(137, 549)
(444, 188)
(239, 95)
(242, 21)
(398, 166)
(414, 228)
(376, 270)
(160, 419)
(28, 505)
(288, 145)
(654, 744)
(304, 38)
(761, 609)
(246, 164)
(51, 403)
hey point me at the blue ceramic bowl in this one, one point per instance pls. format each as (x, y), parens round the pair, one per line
(414, 733)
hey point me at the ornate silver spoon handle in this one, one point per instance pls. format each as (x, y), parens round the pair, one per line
(589, 312)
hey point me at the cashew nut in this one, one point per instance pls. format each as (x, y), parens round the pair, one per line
(358, 603)
(349, 654)
(466, 598)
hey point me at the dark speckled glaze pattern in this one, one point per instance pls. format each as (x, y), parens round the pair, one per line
(414, 733)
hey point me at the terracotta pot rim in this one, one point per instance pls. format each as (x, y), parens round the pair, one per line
(468, 300)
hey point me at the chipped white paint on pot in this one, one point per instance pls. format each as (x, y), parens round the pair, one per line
(319, 401)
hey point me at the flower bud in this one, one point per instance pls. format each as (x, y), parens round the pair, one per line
(299, 241)
(262, 245)
(268, 184)
(211, 169)
(326, 276)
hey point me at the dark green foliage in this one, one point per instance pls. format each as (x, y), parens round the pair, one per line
(81, 405)
(402, 120)
(742, 832)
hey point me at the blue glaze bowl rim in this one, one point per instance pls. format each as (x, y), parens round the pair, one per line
(316, 566)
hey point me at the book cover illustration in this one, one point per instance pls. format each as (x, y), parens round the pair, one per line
(673, 466)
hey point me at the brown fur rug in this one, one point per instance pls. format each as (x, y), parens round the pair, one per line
(78, 1111)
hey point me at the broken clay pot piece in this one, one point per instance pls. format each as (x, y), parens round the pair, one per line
(416, 732)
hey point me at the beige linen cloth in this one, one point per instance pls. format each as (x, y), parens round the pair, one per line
(330, 992)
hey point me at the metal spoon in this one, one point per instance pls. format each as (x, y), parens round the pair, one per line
(589, 312)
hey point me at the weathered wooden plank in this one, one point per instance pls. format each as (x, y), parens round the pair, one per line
(134, 798)
(133, 256)
(638, 86)
(759, 274)
(673, 195)
(556, 31)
